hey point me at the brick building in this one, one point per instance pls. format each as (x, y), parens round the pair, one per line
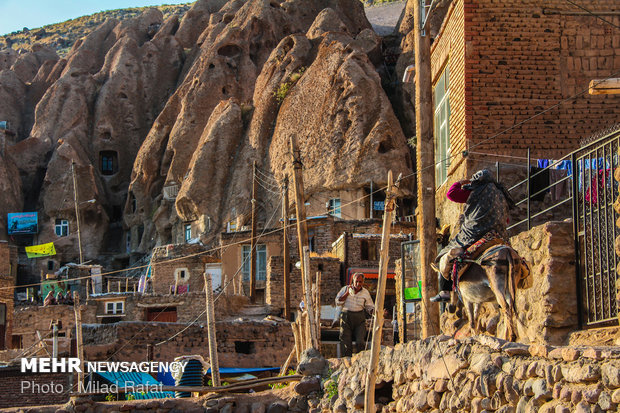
(180, 267)
(497, 64)
(8, 274)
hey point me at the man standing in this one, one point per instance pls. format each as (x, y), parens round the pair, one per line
(355, 301)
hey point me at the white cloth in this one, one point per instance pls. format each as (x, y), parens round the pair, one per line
(355, 301)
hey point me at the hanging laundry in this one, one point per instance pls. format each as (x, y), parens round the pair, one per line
(598, 185)
(543, 163)
(559, 190)
(538, 182)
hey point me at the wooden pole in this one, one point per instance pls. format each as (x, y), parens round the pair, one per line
(425, 170)
(78, 338)
(126, 285)
(253, 240)
(108, 285)
(285, 252)
(317, 307)
(300, 207)
(287, 363)
(119, 286)
(77, 211)
(369, 400)
(296, 336)
(215, 369)
(314, 342)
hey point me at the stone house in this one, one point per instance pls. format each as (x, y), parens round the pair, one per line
(327, 235)
(179, 268)
(496, 66)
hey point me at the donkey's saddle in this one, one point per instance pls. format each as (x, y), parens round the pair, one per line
(486, 247)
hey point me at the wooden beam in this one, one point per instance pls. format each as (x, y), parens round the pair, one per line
(300, 207)
(605, 86)
(213, 360)
(78, 338)
(286, 253)
(253, 240)
(377, 328)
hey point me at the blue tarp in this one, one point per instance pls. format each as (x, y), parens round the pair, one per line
(136, 379)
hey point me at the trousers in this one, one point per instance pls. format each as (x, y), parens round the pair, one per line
(352, 325)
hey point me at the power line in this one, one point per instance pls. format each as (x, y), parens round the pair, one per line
(592, 13)
(414, 173)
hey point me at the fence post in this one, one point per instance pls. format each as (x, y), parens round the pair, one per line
(529, 220)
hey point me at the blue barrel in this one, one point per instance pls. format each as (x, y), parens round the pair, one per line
(192, 376)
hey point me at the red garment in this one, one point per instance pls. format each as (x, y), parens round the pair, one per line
(458, 194)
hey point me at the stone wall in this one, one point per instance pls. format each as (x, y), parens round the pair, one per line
(548, 309)
(240, 343)
(30, 319)
(481, 374)
(330, 281)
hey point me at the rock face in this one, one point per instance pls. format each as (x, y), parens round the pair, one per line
(250, 86)
(163, 120)
(94, 109)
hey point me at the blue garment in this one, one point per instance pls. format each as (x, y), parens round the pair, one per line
(543, 163)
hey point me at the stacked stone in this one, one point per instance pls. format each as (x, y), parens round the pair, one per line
(482, 374)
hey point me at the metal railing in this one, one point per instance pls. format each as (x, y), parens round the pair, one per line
(592, 193)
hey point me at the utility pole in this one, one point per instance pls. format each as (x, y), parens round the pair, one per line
(300, 207)
(77, 211)
(285, 251)
(253, 241)
(377, 327)
(78, 338)
(425, 168)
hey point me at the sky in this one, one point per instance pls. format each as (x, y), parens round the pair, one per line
(17, 14)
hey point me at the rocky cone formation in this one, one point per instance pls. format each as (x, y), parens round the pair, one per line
(242, 99)
(150, 107)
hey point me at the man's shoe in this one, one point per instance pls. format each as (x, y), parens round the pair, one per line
(442, 296)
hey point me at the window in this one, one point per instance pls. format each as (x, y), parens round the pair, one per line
(188, 232)
(109, 162)
(333, 207)
(261, 262)
(50, 265)
(368, 250)
(62, 227)
(181, 275)
(441, 98)
(114, 307)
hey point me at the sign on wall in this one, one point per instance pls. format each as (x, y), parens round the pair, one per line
(43, 250)
(22, 223)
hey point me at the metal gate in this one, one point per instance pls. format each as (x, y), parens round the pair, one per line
(595, 228)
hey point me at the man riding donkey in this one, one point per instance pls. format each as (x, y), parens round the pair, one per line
(483, 224)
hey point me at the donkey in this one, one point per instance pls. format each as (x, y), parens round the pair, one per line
(493, 276)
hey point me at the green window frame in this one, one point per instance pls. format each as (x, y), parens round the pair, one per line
(441, 124)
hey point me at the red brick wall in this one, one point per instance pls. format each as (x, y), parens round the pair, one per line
(11, 394)
(511, 59)
(8, 273)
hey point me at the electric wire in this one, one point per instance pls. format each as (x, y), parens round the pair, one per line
(593, 14)
(378, 190)
(226, 285)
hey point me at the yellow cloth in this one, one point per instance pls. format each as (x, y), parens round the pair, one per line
(43, 250)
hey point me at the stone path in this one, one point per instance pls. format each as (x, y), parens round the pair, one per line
(384, 17)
